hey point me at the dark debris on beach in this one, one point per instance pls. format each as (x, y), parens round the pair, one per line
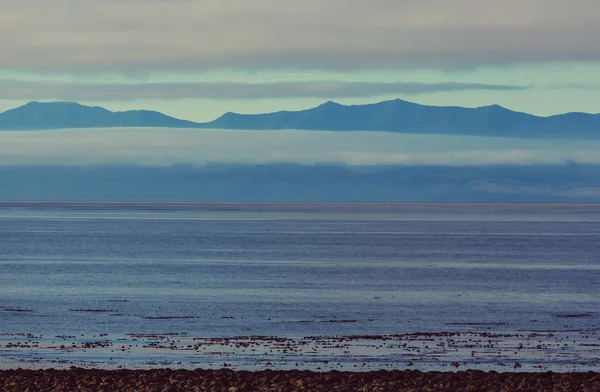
(79, 379)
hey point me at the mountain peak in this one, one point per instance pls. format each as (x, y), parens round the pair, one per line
(53, 103)
(329, 104)
(494, 107)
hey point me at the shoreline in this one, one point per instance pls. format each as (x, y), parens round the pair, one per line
(517, 351)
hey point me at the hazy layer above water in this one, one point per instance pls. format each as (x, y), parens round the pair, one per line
(164, 146)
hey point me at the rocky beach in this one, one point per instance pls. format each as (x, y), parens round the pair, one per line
(449, 361)
(78, 379)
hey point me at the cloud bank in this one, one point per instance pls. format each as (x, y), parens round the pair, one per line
(227, 90)
(133, 35)
(160, 146)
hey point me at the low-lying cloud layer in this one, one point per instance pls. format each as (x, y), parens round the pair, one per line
(134, 35)
(21, 90)
(160, 146)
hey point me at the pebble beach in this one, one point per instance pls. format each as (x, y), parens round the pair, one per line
(470, 361)
(78, 379)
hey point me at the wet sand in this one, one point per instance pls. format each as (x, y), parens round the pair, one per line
(271, 380)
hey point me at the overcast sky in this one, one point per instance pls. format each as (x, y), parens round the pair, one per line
(196, 59)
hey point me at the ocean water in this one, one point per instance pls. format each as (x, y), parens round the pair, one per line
(294, 270)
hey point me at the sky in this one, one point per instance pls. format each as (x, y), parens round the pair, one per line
(197, 59)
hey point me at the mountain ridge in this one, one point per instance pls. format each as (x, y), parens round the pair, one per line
(36, 115)
(408, 117)
(387, 116)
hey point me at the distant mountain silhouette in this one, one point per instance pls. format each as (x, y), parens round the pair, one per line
(388, 116)
(53, 115)
(292, 182)
(408, 117)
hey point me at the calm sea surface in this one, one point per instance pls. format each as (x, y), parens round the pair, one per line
(293, 270)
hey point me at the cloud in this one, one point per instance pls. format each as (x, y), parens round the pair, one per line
(22, 90)
(130, 35)
(152, 146)
(578, 86)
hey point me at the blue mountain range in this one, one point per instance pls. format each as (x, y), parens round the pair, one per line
(388, 116)
(56, 115)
